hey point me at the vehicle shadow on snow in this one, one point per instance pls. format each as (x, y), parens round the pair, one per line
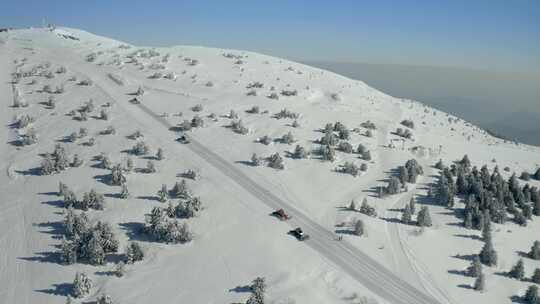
(62, 289)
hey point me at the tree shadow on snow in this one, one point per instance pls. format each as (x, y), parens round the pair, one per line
(56, 229)
(465, 286)
(29, 172)
(54, 203)
(517, 299)
(239, 289)
(245, 163)
(62, 289)
(44, 257)
(457, 272)
(465, 257)
(134, 231)
(469, 236)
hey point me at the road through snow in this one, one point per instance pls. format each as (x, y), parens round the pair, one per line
(353, 261)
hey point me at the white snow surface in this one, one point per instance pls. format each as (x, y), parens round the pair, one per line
(235, 238)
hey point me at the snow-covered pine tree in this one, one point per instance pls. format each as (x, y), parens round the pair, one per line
(480, 282)
(518, 271)
(424, 218)
(134, 253)
(475, 268)
(535, 251)
(359, 227)
(406, 217)
(81, 285)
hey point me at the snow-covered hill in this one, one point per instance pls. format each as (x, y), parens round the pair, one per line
(235, 240)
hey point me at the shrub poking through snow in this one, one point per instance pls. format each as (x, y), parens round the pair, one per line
(276, 161)
(366, 209)
(238, 127)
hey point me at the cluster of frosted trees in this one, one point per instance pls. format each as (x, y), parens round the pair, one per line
(90, 200)
(57, 161)
(195, 122)
(84, 241)
(335, 137)
(423, 219)
(164, 229)
(488, 197)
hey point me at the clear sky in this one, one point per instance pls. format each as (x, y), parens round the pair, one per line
(495, 34)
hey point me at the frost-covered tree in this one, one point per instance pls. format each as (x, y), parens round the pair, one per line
(150, 167)
(258, 289)
(104, 299)
(103, 114)
(160, 155)
(163, 194)
(352, 205)
(276, 161)
(517, 271)
(424, 218)
(134, 253)
(140, 148)
(300, 152)
(91, 200)
(480, 282)
(475, 269)
(363, 167)
(531, 295)
(361, 149)
(120, 269)
(93, 250)
(327, 153)
(129, 165)
(197, 122)
(77, 162)
(406, 216)
(488, 255)
(412, 205)
(350, 168)
(81, 285)
(106, 162)
(536, 276)
(117, 175)
(358, 227)
(366, 209)
(70, 199)
(537, 174)
(28, 138)
(345, 147)
(393, 186)
(124, 192)
(287, 138)
(68, 252)
(366, 155)
(535, 251)
(181, 190)
(255, 160)
(329, 139)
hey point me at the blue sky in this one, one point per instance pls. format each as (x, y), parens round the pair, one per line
(480, 34)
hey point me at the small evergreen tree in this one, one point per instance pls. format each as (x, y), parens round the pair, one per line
(488, 255)
(255, 161)
(160, 154)
(518, 271)
(424, 218)
(81, 285)
(163, 193)
(480, 282)
(406, 217)
(475, 269)
(412, 205)
(359, 228)
(134, 253)
(536, 276)
(124, 193)
(531, 295)
(535, 251)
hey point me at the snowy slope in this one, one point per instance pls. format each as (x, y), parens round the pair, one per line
(235, 239)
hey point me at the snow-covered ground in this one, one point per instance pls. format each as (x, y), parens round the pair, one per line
(235, 238)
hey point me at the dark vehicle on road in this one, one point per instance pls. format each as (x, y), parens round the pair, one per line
(299, 234)
(280, 214)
